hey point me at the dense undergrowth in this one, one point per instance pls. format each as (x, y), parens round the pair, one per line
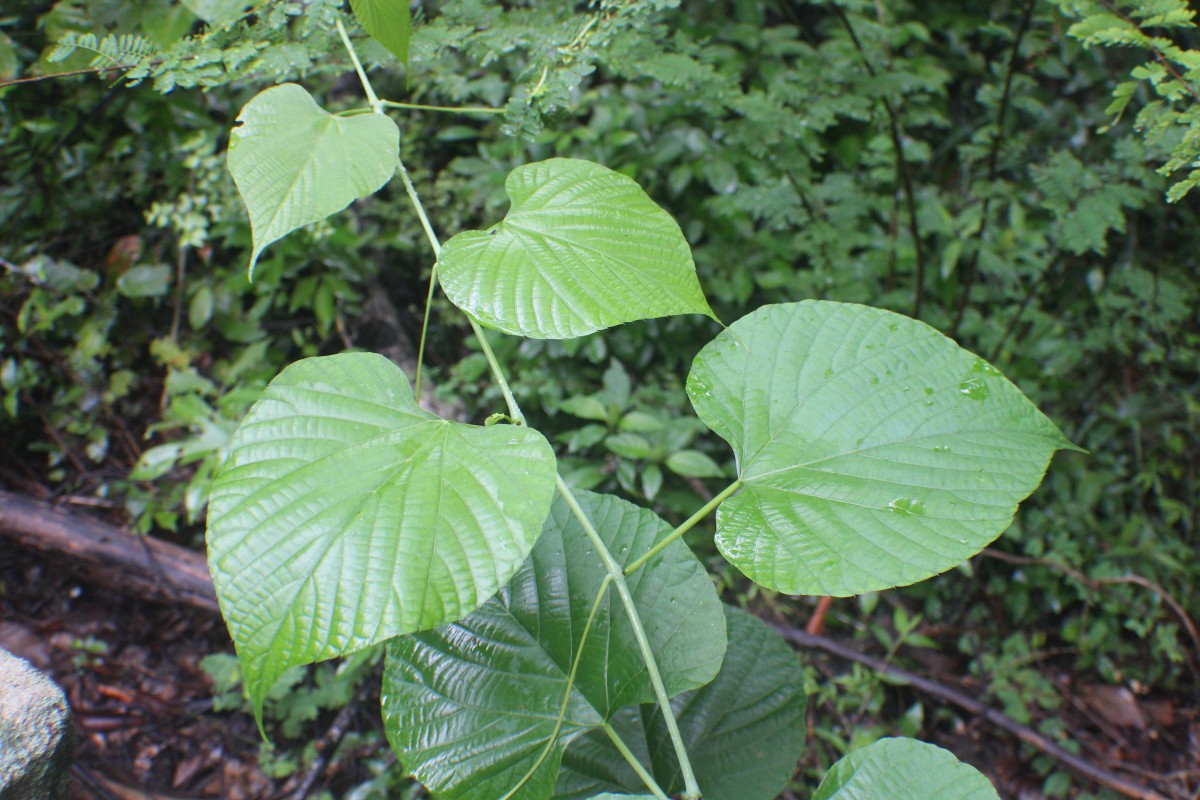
(962, 165)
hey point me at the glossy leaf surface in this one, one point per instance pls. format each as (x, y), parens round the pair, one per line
(470, 707)
(388, 21)
(295, 163)
(874, 451)
(347, 515)
(582, 248)
(903, 769)
(744, 730)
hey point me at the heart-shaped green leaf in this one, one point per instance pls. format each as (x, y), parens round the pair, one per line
(347, 515)
(583, 248)
(295, 163)
(903, 769)
(874, 452)
(744, 731)
(388, 21)
(471, 707)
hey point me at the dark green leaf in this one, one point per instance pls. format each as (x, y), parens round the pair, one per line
(744, 731)
(693, 464)
(628, 445)
(388, 21)
(471, 706)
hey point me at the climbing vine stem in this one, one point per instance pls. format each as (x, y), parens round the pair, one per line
(691, 788)
(372, 98)
(686, 526)
(615, 573)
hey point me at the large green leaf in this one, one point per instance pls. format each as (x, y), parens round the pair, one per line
(388, 21)
(903, 769)
(470, 707)
(346, 515)
(873, 450)
(744, 731)
(583, 248)
(295, 163)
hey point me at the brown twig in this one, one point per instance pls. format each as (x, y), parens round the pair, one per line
(53, 433)
(88, 71)
(1078, 765)
(326, 745)
(971, 267)
(902, 173)
(1016, 318)
(1094, 583)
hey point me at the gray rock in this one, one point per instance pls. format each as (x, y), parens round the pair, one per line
(36, 737)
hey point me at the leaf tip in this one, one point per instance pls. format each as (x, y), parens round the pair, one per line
(253, 263)
(258, 718)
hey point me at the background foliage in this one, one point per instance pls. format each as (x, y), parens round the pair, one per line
(968, 164)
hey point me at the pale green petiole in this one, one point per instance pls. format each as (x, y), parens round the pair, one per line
(447, 109)
(691, 788)
(632, 761)
(687, 525)
(358, 67)
(562, 711)
(615, 574)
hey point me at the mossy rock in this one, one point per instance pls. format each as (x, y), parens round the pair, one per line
(36, 737)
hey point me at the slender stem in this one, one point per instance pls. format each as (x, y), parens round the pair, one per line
(514, 410)
(425, 328)
(437, 251)
(685, 527)
(358, 67)
(448, 109)
(631, 759)
(420, 208)
(691, 788)
(562, 709)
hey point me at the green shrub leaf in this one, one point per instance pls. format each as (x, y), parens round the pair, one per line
(347, 515)
(693, 464)
(904, 769)
(295, 163)
(449, 693)
(583, 248)
(388, 21)
(873, 450)
(744, 730)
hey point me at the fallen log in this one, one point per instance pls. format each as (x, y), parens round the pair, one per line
(142, 566)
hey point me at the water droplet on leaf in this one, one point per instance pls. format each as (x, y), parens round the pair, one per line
(907, 506)
(975, 388)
